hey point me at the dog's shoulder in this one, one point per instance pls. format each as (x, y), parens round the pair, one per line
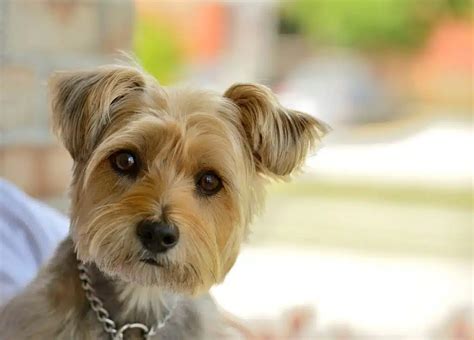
(195, 318)
(46, 308)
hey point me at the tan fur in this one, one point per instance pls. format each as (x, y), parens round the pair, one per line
(245, 136)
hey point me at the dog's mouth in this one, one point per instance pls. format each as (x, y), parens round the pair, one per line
(151, 261)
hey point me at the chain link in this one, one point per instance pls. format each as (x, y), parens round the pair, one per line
(103, 315)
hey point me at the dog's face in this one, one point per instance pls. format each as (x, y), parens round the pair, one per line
(166, 181)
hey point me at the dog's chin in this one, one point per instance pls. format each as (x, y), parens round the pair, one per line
(148, 272)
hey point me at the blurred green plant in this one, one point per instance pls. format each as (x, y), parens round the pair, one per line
(370, 24)
(156, 49)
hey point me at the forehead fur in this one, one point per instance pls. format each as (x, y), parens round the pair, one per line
(180, 127)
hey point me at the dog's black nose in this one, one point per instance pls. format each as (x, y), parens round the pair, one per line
(157, 237)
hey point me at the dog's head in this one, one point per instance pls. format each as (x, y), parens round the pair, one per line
(166, 181)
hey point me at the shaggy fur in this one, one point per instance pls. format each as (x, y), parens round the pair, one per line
(245, 136)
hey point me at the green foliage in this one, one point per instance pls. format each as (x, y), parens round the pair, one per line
(460, 7)
(157, 51)
(371, 24)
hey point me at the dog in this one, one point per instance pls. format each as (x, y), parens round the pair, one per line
(165, 184)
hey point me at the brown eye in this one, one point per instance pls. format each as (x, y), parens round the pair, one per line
(209, 183)
(124, 162)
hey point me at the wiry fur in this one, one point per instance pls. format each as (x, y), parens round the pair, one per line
(245, 136)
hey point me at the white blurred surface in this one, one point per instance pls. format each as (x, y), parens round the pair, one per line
(439, 154)
(383, 296)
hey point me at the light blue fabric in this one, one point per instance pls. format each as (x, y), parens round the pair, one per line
(29, 234)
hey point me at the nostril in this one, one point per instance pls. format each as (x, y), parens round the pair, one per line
(168, 236)
(168, 240)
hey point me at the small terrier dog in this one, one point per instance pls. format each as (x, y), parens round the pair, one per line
(165, 184)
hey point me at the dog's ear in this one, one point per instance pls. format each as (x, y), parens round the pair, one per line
(83, 103)
(279, 138)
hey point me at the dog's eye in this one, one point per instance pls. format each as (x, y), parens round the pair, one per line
(124, 162)
(208, 183)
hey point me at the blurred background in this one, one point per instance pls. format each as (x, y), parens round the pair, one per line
(374, 240)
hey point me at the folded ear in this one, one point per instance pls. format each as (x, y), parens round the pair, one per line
(84, 102)
(279, 138)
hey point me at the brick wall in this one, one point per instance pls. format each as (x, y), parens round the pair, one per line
(38, 37)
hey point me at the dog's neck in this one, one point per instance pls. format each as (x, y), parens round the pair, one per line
(129, 302)
(140, 299)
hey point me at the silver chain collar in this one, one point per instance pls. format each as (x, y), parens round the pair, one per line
(103, 315)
